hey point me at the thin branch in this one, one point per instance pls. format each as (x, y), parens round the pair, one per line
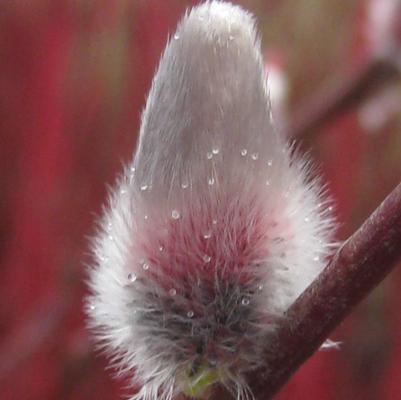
(358, 266)
(341, 94)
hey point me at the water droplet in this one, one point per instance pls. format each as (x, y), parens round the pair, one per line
(111, 238)
(306, 219)
(132, 169)
(131, 277)
(144, 187)
(176, 36)
(123, 191)
(213, 362)
(184, 185)
(260, 287)
(145, 266)
(214, 222)
(161, 248)
(190, 314)
(216, 151)
(244, 152)
(330, 208)
(206, 258)
(255, 156)
(172, 292)
(245, 301)
(209, 155)
(317, 258)
(175, 214)
(270, 163)
(92, 307)
(207, 235)
(210, 181)
(145, 217)
(267, 183)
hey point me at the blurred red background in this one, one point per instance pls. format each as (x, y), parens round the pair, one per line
(73, 79)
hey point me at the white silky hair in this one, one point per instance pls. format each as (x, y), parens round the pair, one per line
(214, 193)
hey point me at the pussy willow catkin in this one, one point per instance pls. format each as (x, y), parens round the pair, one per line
(216, 226)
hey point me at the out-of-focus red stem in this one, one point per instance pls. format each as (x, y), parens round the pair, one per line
(358, 266)
(341, 94)
(40, 327)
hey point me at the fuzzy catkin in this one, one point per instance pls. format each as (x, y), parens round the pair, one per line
(216, 226)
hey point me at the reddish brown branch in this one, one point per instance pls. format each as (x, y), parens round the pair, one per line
(341, 94)
(358, 266)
